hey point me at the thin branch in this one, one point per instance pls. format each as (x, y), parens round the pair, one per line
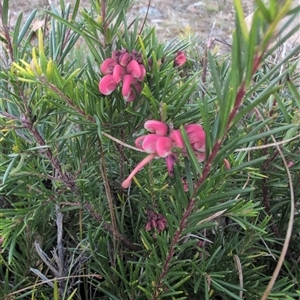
(240, 272)
(146, 16)
(103, 169)
(290, 224)
(166, 266)
(6, 34)
(60, 248)
(32, 287)
(44, 257)
(103, 14)
(267, 145)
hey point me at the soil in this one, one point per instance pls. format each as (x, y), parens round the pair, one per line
(206, 18)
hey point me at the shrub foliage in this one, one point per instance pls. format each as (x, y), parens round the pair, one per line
(213, 216)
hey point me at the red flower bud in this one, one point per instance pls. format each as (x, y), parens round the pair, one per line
(226, 164)
(160, 225)
(153, 223)
(180, 59)
(148, 226)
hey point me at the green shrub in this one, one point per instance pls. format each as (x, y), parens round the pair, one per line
(213, 216)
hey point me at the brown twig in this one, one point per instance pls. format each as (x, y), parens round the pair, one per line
(146, 16)
(166, 266)
(103, 14)
(6, 34)
(103, 169)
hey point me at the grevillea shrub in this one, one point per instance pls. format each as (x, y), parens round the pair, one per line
(134, 168)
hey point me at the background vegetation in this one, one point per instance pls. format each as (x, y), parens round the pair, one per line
(68, 230)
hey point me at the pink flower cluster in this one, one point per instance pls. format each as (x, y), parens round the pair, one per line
(123, 68)
(156, 221)
(160, 143)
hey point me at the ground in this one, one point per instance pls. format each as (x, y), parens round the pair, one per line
(206, 18)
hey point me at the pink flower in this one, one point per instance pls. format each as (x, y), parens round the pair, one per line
(108, 65)
(157, 143)
(153, 143)
(149, 143)
(118, 73)
(196, 136)
(176, 136)
(125, 58)
(107, 84)
(133, 68)
(130, 88)
(143, 72)
(127, 91)
(180, 59)
(156, 127)
(170, 161)
(126, 69)
(164, 146)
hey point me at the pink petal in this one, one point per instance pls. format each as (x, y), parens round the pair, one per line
(156, 127)
(170, 161)
(116, 54)
(193, 127)
(164, 146)
(196, 136)
(135, 89)
(139, 141)
(107, 84)
(149, 143)
(146, 160)
(134, 69)
(176, 136)
(227, 164)
(126, 88)
(143, 73)
(200, 147)
(200, 156)
(107, 66)
(118, 73)
(125, 58)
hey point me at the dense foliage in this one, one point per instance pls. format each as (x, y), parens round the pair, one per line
(210, 210)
